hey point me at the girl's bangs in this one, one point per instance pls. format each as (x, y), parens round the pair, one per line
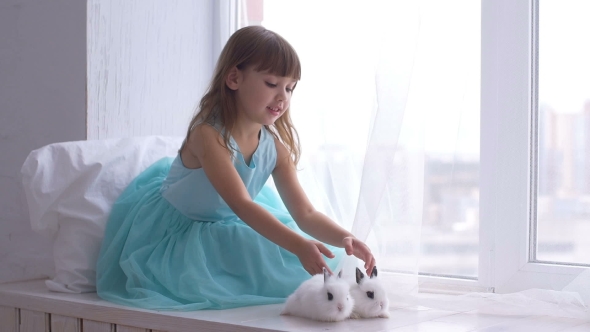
(278, 58)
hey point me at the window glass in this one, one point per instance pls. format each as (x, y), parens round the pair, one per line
(563, 203)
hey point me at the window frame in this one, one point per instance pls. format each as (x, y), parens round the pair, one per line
(508, 166)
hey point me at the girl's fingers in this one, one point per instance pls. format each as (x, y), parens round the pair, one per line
(371, 266)
(325, 250)
(318, 269)
(313, 270)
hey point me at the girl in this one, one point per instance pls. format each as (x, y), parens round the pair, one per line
(187, 235)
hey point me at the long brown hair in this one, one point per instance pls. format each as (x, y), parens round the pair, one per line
(266, 51)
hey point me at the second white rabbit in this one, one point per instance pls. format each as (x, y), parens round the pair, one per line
(370, 299)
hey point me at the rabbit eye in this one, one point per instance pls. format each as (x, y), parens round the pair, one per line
(330, 296)
(371, 295)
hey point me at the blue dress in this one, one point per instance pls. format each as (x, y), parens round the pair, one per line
(172, 243)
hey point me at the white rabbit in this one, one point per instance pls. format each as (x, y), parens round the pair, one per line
(322, 297)
(370, 299)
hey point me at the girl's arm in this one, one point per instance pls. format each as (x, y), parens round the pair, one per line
(307, 217)
(206, 144)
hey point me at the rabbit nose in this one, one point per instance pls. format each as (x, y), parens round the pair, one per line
(340, 306)
(381, 304)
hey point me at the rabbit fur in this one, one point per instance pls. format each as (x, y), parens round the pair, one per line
(370, 298)
(323, 297)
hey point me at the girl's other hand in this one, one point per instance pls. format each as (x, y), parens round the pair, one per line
(356, 247)
(310, 256)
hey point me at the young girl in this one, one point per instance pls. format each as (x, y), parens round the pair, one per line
(187, 235)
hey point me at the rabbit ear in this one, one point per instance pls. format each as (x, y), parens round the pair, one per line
(374, 272)
(326, 274)
(340, 274)
(359, 275)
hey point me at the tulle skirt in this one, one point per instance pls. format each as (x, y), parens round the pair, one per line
(154, 257)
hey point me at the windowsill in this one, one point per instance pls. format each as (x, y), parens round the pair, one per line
(33, 295)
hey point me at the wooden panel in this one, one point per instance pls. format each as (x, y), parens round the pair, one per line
(9, 319)
(65, 324)
(33, 321)
(94, 326)
(122, 328)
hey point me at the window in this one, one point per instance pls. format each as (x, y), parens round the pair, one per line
(563, 201)
(510, 138)
(506, 185)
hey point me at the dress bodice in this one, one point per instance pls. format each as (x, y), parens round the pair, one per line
(191, 192)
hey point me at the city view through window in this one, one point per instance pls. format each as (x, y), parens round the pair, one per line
(563, 203)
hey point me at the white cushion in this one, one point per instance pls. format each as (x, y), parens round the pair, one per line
(70, 188)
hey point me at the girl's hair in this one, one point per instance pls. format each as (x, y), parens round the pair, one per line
(265, 50)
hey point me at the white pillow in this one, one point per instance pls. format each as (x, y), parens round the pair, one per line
(70, 188)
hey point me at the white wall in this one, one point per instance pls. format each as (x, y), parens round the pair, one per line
(42, 100)
(148, 63)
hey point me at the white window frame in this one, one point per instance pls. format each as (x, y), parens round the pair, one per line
(508, 152)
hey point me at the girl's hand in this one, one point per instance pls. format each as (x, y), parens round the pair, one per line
(310, 256)
(355, 247)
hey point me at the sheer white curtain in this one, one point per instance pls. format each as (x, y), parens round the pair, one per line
(362, 116)
(350, 111)
(368, 112)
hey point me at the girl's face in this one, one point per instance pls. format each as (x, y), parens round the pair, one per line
(262, 97)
